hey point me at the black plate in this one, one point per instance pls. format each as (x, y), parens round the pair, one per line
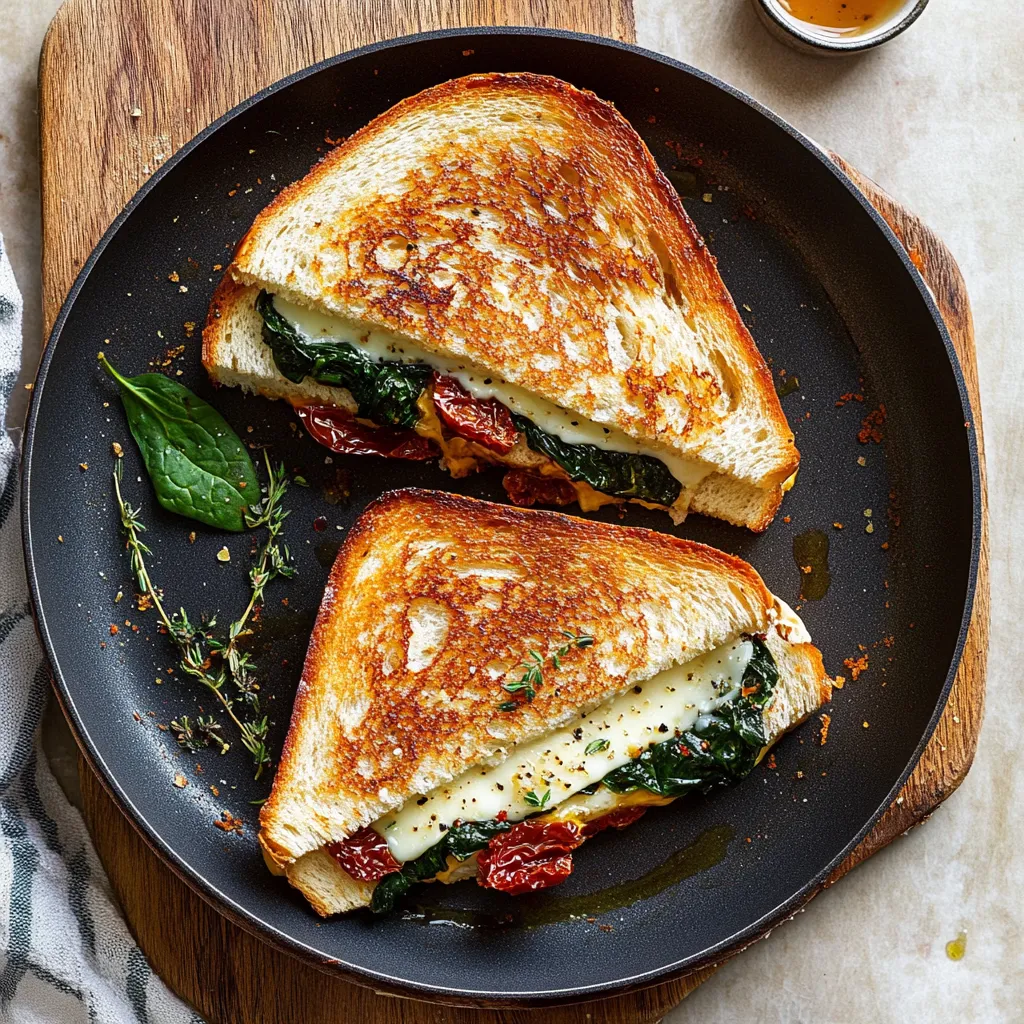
(830, 297)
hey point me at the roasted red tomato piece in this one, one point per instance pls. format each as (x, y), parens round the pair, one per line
(531, 855)
(530, 489)
(342, 432)
(616, 819)
(484, 420)
(365, 856)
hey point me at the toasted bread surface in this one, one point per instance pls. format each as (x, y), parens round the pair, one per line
(522, 223)
(434, 602)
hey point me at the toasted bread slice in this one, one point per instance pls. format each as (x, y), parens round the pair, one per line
(433, 600)
(522, 224)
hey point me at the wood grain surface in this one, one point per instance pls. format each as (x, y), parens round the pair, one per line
(123, 84)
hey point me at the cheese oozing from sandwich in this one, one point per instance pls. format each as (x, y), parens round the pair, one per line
(543, 773)
(568, 426)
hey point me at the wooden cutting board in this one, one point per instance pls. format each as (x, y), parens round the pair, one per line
(124, 83)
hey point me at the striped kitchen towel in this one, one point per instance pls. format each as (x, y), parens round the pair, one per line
(66, 954)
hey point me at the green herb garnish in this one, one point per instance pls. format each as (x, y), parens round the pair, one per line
(197, 464)
(530, 681)
(385, 392)
(619, 474)
(533, 800)
(198, 735)
(596, 746)
(212, 659)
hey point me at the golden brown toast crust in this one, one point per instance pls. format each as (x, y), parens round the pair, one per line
(370, 728)
(590, 205)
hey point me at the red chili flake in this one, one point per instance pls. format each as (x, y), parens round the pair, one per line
(365, 856)
(531, 855)
(871, 426)
(529, 489)
(341, 432)
(320, 524)
(484, 420)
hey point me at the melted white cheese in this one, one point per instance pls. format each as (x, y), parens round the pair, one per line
(569, 426)
(558, 764)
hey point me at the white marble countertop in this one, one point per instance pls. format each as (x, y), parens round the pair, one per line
(935, 117)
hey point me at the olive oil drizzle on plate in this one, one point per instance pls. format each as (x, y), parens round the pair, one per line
(534, 911)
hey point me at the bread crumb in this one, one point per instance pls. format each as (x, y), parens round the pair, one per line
(826, 721)
(856, 666)
(180, 781)
(229, 823)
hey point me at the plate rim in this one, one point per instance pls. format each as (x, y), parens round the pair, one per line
(265, 930)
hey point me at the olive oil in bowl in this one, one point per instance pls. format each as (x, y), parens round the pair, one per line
(834, 17)
(832, 27)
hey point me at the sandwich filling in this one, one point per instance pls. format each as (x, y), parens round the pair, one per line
(514, 823)
(416, 404)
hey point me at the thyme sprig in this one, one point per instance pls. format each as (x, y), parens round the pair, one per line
(205, 656)
(527, 685)
(193, 736)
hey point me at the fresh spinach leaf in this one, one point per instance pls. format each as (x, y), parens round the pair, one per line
(197, 464)
(722, 747)
(385, 392)
(619, 474)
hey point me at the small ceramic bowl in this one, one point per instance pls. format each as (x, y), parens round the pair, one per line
(810, 39)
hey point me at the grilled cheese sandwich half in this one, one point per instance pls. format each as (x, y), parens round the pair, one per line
(498, 266)
(487, 686)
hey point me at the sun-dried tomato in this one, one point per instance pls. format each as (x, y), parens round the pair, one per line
(616, 819)
(530, 855)
(529, 489)
(341, 432)
(484, 420)
(365, 855)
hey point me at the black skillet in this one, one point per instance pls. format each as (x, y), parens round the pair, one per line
(830, 298)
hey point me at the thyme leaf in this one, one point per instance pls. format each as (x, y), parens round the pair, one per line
(533, 664)
(537, 801)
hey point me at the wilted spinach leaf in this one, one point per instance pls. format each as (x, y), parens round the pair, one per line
(197, 464)
(385, 393)
(721, 748)
(461, 841)
(619, 474)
